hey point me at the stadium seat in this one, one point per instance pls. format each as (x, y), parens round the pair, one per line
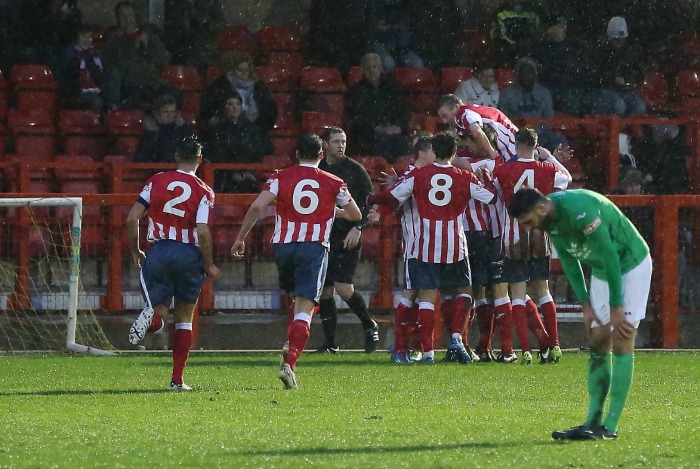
(212, 74)
(77, 168)
(324, 102)
(322, 80)
(32, 132)
(284, 145)
(35, 87)
(93, 242)
(4, 87)
(504, 77)
(290, 62)
(421, 87)
(476, 44)
(451, 77)
(316, 121)
(276, 78)
(654, 91)
(687, 84)
(227, 219)
(279, 38)
(280, 161)
(124, 128)
(354, 75)
(372, 163)
(82, 133)
(285, 126)
(402, 162)
(236, 40)
(186, 80)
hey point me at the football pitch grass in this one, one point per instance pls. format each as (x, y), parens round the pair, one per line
(351, 410)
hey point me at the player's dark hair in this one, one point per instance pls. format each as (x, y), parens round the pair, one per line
(188, 149)
(423, 142)
(449, 99)
(309, 146)
(490, 133)
(329, 131)
(526, 136)
(524, 201)
(444, 145)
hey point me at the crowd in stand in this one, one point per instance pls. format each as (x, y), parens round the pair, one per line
(569, 59)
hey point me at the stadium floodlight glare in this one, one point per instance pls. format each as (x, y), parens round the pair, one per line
(34, 315)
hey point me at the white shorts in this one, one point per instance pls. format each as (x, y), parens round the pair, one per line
(635, 292)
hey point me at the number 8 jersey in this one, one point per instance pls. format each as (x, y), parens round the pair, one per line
(176, 201)
(440, 194)
(306, 202)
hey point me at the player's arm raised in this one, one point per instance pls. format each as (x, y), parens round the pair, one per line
(482, 140)
(264, 199)
(138, 210)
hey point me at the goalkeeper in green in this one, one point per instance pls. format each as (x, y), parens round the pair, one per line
(586, 227)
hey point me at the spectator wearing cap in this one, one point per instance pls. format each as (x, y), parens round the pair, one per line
(481, 88)
(617, 71)
(527, 99)
(163, 130)
(563, 67)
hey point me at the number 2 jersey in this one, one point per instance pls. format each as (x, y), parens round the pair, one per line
(176, 201)
(306, 203)
(440, 194)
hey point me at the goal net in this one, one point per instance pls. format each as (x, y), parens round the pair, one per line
(43, 305)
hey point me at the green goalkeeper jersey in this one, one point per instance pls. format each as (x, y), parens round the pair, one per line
(589, 228)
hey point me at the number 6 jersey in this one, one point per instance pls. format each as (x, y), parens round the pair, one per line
(440, 194)
(176, 202)
(306, 202)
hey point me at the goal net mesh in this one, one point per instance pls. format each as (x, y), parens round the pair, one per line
(36, 262)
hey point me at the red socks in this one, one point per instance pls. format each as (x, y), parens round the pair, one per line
(504, 324)
(157, 324)
(520, 320)
(401, 323)
(181, 350)
(426, 326)
(534, 323)
(299, 332)
(460, 323)
(484, 317)
(549, 311)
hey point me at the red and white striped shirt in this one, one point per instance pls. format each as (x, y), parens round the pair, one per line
(509, 178)
(469, 114)
(306, 201)
(480, 216)
(440, 194)
(177, 201)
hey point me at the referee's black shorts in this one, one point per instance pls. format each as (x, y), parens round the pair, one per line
(342, 262)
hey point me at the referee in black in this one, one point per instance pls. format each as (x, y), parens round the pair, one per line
(346, 245)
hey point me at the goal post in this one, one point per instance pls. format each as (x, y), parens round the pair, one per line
(28, 323)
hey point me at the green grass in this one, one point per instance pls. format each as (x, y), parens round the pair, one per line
(352, 410)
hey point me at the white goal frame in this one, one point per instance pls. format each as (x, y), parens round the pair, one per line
(74, 279)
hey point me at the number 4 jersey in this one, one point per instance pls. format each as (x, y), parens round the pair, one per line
(440, 194)
(306, 202)
(176, 201)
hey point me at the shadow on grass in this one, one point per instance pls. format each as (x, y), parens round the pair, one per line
(390, 449)
(274, 360)
(83, 392)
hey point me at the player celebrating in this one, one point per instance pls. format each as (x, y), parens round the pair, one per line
(437, 259)
(585, 227)
(306, 199)
(468, 119)
(179, 206)
(527, 254)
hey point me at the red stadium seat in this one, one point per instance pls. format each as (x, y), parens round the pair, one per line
(476, 44)
(654, 91)
(371, 163)
(421, 86)
(276, 78)
(32, 132)
(504, 77)
(236, 40)
(211, 74)
(186, 79)
(322, 80)
(325, 102)
(77, 168)
(279, 38)
(285, 126)
(290, 62)
(451, 77)
(35, 87)
(281, 161)
(124, 128)
(316, 121)
(284, 146)
(687, 84)
(227, 219)
(354, 75)
(82, 132)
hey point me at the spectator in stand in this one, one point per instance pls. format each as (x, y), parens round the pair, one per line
(515, 26)
(527, 99)
(135, 57)
(337, 33)
(163, 131)
(617, 70)
(191, 29)
(389, 34)
(660, 152)
(232, 138)
(258, 105)
(563, 67)
(377, 112)
(481, 88)
(81, 74)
